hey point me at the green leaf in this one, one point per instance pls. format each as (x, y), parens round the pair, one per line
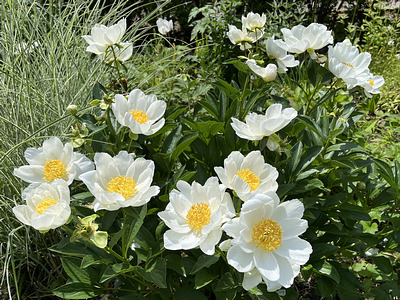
(156, 272)
(115, 270)
(134, 220)
(328, 270)
(184, 142)
(226, 283)
(386, 172)
(98, 91)
(90, 260)
(204, 261)
(186, 293)
(175, 262)
(172, 140)
(203, 277)
(173, 112)
(72, 266)
(77, 290)
(325, 286)
(308, 157)
(295, 158)
(310, 123)
(383, 264)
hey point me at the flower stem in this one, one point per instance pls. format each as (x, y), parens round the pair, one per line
(108, 120)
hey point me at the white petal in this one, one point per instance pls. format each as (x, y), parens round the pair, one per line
(267, 265)
(240, 260)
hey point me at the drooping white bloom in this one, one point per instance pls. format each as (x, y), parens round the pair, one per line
(242, 37)
(103, 37)
(313, 37)
(257, 126)
(51, 161)
(267, 74)
(122, 53)
(254, 21)
(347, 63)
(164, 26)
(371, 84)
(141, 113)
(47, 205)
(120, 181)
(247, 175)
(278, 49)
(195, 215)
(265, 242)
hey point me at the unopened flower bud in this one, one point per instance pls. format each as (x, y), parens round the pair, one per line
(72, 109)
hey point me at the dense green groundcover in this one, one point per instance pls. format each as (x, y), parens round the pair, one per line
(129, 230)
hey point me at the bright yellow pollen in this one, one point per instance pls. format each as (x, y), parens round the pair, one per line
(252, 180)
(371, 82)
(45, 205)
(139, 116)
(267, 234)
(349, 65)
(123, 185)
(53, 169)
(198, 216)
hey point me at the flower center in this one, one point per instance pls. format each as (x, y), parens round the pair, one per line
(139, 116)
(349, 65)
(371, 82)
(123, 185)
(45, 204)
(267, 234)
(53, 169)
(252, 180)
(198, 216)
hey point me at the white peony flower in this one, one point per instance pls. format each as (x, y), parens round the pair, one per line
(122, 53)
(103, 37)
(237, 36)
(141, 113)
(247, 175)
(257, 126)
(164, 26)
(277, 49)
(47, 205)
(120, 181)
(267, 74)
(371, 84)
(347, 63)
(254, 21)
(265, 242)
(313, 37)
(51, 161)
(195, 215)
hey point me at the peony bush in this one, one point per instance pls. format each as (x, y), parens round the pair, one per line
(259, 191)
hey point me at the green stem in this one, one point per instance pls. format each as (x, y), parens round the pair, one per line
(108, 120)
(124, 248)
(242, 97)
(116, 62)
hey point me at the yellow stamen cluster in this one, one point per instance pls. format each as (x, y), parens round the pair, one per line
(267, 234)
(198, 216)
(371, 82)
(139, 116)
(123, 185)
(349, 65)
(53, 169)
(252, 180)
(45, 204)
